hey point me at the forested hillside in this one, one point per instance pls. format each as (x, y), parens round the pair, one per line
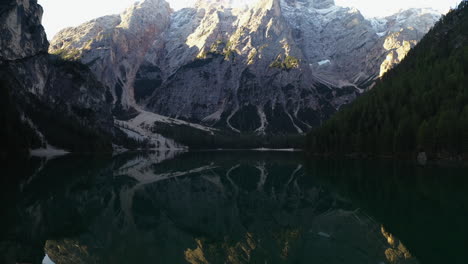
(420, 105)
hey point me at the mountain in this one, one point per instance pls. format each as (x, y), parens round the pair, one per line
(46, 101)
(275, 66)
(118, 44)
(419, 106)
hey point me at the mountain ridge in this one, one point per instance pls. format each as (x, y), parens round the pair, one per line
(417, 107)
(48, 102)
(279, 66)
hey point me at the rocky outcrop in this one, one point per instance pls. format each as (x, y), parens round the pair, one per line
(246, 78)
(21, 32)
(276, 66)
(49, 101)
(114, 46)
(345, 48)
(401, 32)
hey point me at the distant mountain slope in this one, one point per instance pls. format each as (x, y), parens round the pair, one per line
(276, 66)
(420, 105)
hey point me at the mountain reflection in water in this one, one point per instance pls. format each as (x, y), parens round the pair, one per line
(233, 207)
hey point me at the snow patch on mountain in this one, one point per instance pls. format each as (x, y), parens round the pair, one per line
(323, 62)
(217, 65)
(142, 126)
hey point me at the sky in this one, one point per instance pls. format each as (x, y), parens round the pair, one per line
(59, 14)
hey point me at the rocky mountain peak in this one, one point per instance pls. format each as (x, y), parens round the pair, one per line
(421, 19)
(223, 3)
(142, 13)
(316, 4)
(114, 46)
(278, 65)
(262, 8)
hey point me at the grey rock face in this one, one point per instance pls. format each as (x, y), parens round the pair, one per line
(275, 66)
(62, 102)
(322, 4)
(400, 33)
(21, 32)
(114, 46)
(230, 80)
(344, 48)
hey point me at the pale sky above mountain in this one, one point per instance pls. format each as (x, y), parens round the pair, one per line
(375, 8)
(59, 14)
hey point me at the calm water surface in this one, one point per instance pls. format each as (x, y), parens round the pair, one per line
(232, 207)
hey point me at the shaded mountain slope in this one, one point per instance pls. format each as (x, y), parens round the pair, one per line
(45, 100)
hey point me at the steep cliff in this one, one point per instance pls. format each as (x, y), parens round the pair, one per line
(22, 34)
(114, 46)
(47, 101)
(275, 66)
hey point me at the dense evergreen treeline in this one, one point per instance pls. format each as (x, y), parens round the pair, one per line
(62, 125)
(420, 105)
(16, 137)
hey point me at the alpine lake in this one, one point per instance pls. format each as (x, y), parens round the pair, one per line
(232, 207)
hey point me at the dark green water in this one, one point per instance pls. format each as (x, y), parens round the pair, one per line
(232, 207)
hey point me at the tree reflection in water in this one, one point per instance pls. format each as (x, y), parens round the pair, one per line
(225, 207)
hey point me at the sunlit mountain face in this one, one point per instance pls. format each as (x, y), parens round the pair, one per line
(275, 66)
(227, 3)
(208, 76)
